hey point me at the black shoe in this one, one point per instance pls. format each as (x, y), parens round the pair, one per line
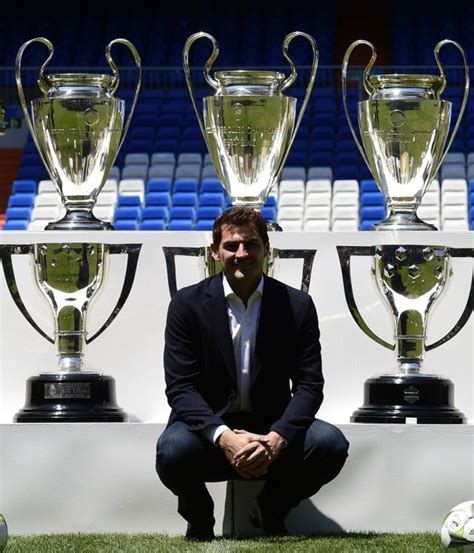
(196, 532)
(270, 524)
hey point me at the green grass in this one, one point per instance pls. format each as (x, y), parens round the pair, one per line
(158, 543)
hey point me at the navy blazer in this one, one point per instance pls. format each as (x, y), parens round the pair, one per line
(200, 373)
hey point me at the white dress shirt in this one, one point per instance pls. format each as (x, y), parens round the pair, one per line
(243, 326)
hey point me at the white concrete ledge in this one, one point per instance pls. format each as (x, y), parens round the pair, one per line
(101, 478)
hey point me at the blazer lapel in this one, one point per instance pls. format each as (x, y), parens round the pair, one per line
(216, 312)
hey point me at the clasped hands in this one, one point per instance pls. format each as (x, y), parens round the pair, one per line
(250, 454)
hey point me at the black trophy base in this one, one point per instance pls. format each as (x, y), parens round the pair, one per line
(71, 397)
(424, 399)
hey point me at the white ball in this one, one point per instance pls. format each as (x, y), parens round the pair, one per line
(3, 533)
(457, 530)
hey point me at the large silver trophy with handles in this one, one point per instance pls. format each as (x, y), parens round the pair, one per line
(78, 127)
(70, 276)
(404, 126)
(249, 124)
(410, 278)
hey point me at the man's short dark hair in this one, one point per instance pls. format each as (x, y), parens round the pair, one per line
(239, 216)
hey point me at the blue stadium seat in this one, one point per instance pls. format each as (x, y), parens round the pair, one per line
(126, 224)
(22, 200)
(18, 213)
(208, 212)
(153, 224)
(368, 185)
(372, 199)
(367, 224)
(163, 157)
(127, 200)
(158, 199)
(372, 212)
(270, 202)
(185, 185)
(155, 212)
(269, 214)
(215, 199)
(204, 224)
(22, 186)
(16, 224)
(187, 199)
(190, 157)
(181, 224)
(210, 185)
(162, 170)
(186, 213)
(158, 185)
(133, 213)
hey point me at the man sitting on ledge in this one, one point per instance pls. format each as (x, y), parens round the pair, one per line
(233, 344)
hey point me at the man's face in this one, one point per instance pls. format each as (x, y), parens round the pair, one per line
(242, 253)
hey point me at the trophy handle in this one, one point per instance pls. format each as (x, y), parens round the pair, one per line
(466, 90)
(6, 256)
(207, 75)
(133, 252)
(466, 314)
(344, 253)
(116, 77)
(292, 77)
(367, 86)
(41, 83)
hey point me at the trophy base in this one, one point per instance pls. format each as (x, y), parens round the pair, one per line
(79, 219)
(402, 221)
(423, 399)
(70, 397)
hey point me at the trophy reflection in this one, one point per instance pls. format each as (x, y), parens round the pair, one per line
(77, 127)
(404, 127)
(410, 278)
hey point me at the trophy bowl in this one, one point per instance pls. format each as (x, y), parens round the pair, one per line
(78, 127)
(404, 126)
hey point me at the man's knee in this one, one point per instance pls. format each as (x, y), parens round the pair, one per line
(325, 441)
(176, 450)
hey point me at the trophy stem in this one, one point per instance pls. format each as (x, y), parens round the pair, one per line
(70, 363)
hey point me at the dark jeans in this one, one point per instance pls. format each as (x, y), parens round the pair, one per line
(185, 461)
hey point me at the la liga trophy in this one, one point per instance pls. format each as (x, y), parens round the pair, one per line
(404, 127)
(249, 126)
(78, 127)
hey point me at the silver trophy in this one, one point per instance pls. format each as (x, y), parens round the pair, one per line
(404, 125)
(78, 128)
(70, 275)
(411, 278)
(249, 125)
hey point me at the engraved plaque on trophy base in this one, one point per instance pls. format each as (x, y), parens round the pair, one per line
(71, 397)
(425, 399)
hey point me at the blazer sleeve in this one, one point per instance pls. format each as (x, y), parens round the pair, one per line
(182, 365)
(307, 380)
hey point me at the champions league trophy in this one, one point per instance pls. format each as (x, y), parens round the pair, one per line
(404, 127)
(77, 127)
(248, 126)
